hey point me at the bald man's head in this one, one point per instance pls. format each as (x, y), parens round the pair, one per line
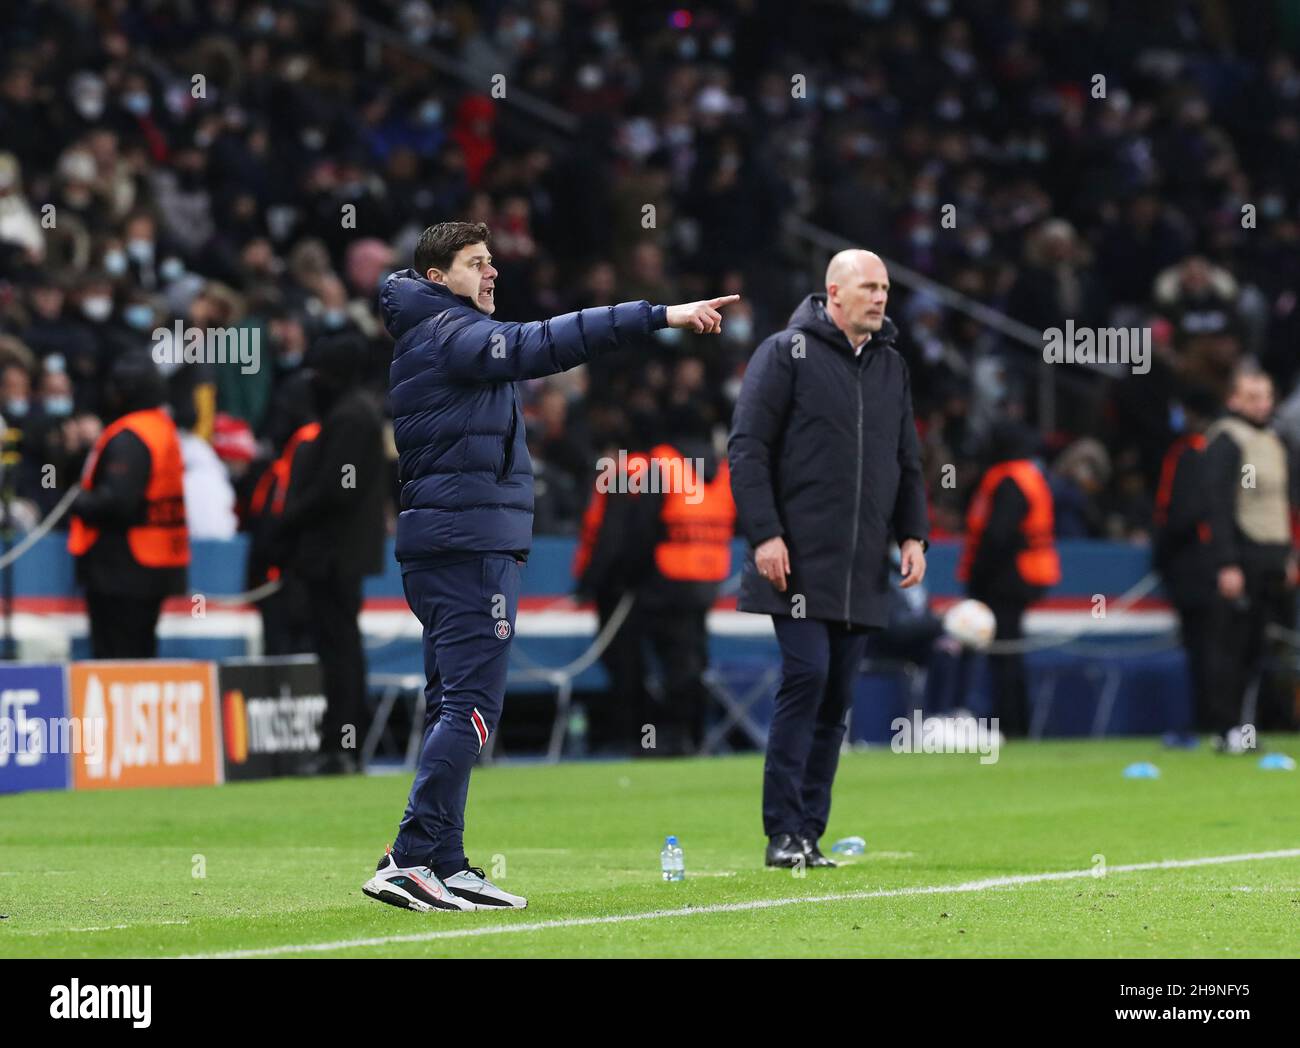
(857, 289)
(1252, 395)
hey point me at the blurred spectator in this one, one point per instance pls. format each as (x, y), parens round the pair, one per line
(209, 495)
(1129, 209)
(1079, 474)
(19, 225)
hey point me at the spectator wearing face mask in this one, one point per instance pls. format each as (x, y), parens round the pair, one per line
(94, 302)
(130, 328)
(54, 329)
(47, 469)
(88, 96)
(142, 253)
(331, 307)
(133, 116)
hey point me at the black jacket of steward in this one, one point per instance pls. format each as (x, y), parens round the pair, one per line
(1178, 549)
(824, 452)
(333, 522)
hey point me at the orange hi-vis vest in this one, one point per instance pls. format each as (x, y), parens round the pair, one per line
(1038, 563)
(274, 483)
(696, 543)
(163, 540)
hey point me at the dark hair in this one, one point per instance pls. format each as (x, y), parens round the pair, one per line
(438, 245)
(339, 358)
(134, 383)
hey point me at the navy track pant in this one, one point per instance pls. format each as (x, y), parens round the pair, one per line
(819, 661)
(468, 611)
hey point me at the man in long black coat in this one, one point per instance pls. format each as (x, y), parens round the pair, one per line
(826, 474)
(332, 534)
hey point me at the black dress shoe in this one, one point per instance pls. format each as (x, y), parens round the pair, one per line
(813, 855)
(784, 850)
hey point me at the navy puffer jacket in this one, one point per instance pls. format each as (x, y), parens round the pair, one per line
(467, 480)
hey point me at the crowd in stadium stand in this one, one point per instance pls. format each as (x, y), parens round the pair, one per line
(133, 195)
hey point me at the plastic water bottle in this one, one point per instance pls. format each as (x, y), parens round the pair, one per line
(577, 735)
(671, 860)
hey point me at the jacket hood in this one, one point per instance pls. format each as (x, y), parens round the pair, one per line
(810, 316)
(407, 298)
(1010, 440)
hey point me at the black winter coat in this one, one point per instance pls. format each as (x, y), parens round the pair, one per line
(333, 521)
(824, 452)
(1183, 558)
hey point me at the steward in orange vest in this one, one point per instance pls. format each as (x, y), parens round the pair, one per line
(697, 518)
(1010, 559)
(659, 527)
(128, 531)
(266, 505)
(1010, 547)
(286, 619)
(665, 534)
(595, 562)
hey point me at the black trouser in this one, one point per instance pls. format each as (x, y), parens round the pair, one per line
(123, 627)
(680, 639)
(617, 721)
(1010, 689)
(819, 662)
(286, 619)
(334, 604)
(1196, 631)
(1238, 632)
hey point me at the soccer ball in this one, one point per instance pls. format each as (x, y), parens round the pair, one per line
(971, 623)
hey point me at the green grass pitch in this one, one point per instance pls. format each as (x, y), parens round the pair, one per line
(104, 874)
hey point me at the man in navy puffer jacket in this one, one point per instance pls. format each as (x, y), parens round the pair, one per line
(466, 520)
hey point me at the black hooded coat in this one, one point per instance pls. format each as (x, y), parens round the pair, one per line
(824, 452)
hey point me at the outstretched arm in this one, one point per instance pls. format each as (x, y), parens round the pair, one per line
(479, 349)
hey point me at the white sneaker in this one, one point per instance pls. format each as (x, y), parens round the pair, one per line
(471, 886)
(413, 888)
(1238, 740)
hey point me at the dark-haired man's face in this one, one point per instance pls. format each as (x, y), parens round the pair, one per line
(472, 276)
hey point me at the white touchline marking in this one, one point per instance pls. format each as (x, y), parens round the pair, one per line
(740, 907)
(97, 928)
